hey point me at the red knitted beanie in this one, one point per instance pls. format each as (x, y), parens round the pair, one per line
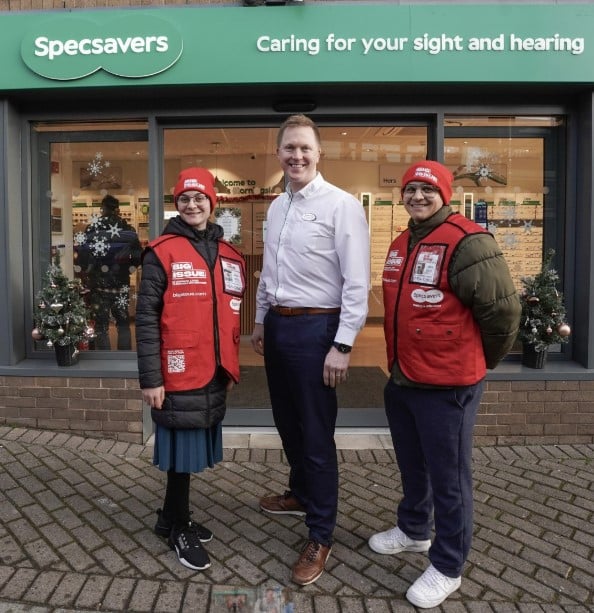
(433, 173)
(196, 180)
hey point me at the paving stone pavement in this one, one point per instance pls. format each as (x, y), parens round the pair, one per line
(77, 517)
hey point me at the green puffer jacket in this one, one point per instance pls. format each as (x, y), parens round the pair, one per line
(480, 278)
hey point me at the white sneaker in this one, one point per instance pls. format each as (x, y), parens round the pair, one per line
(432, 588)
(395, 541)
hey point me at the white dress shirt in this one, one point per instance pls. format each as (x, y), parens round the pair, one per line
(316, 254)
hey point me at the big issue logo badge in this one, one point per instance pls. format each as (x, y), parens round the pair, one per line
(133, 46)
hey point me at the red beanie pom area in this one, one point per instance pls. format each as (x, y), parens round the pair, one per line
(196, 180)
(433, 173)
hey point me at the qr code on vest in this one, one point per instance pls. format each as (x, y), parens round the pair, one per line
(176, 361)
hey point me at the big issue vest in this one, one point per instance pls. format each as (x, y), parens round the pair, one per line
(434, 335)
(200, 325)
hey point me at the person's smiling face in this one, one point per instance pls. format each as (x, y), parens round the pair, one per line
(421, 200)
(194, 209)
(299, 154)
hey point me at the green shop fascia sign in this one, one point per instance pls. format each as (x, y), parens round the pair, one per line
(364, 43)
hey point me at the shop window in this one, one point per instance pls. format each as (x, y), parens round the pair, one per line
(93, 210)
(507, 178)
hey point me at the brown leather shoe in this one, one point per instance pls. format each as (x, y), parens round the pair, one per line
(311, 563)
(285, 504)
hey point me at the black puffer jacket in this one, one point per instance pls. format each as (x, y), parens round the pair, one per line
(109, 254)
(200, 408)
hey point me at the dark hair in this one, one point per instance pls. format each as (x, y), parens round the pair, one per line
(110, 203)
(298, 121)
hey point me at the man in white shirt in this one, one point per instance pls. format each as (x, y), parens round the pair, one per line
(310, 306)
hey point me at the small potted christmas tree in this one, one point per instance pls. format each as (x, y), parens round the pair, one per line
(61, 315)
(543, 314)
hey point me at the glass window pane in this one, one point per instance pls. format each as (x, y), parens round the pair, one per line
(500, 180)
(98, 222)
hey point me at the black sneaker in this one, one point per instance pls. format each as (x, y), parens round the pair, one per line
(163, 528)
(187, 545)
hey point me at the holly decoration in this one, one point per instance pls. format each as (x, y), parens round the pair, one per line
(543, 313)
(60, 313)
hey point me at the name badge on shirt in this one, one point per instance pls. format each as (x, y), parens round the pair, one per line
(428, 264)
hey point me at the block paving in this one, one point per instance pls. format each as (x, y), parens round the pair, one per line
(77, 517)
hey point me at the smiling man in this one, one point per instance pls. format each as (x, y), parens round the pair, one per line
(311, 304)
(451, 312)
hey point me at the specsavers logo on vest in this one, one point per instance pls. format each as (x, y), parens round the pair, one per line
(133, 45)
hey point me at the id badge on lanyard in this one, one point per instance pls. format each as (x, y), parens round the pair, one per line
(428, 265)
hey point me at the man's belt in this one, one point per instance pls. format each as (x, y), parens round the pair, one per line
(292, 311)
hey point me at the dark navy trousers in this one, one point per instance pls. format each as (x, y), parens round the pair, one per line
(304, 411)
(432, 434)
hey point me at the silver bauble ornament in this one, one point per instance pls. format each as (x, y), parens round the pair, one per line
(57, 307)
(61, 331)
(564, 330)
(50, 344)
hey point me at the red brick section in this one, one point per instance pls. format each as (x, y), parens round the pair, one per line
(93, 407)
(536, 413)
(511, 413)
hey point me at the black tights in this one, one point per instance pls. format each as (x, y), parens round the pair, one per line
(176, 507)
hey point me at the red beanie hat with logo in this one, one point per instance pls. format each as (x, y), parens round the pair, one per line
(196, 180)
(433, 173)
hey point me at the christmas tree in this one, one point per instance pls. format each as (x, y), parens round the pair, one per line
(543, 313)
(61, 315)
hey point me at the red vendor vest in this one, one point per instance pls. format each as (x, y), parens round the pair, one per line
(200, 325)
(436, 338)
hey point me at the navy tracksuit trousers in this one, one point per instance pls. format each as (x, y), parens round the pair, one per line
(304, 411)
(432, 433)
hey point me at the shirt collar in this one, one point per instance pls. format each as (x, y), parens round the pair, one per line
(309, 189)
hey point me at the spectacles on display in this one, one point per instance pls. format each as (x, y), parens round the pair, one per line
(428, 191)
(198, 199)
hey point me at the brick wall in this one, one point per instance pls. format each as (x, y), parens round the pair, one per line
(511, 413)
(103, 408)
(536, 412)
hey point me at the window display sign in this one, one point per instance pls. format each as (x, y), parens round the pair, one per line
(229, 218)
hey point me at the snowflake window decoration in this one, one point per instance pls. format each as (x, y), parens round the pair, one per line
(113, 230)
(94, 219)
(479, 171)
(510, 241)
(99, 247)
(123, 298)
(97, 165)
(509, 214)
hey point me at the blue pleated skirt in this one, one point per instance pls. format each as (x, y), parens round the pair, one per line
(188, 451)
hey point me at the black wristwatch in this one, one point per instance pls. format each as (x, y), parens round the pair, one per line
(342, 347)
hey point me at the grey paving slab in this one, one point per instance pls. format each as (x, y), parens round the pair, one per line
(77, 516)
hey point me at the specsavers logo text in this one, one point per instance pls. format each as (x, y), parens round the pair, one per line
(132, 46)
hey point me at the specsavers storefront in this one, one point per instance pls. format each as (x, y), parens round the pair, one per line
(117, 102)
